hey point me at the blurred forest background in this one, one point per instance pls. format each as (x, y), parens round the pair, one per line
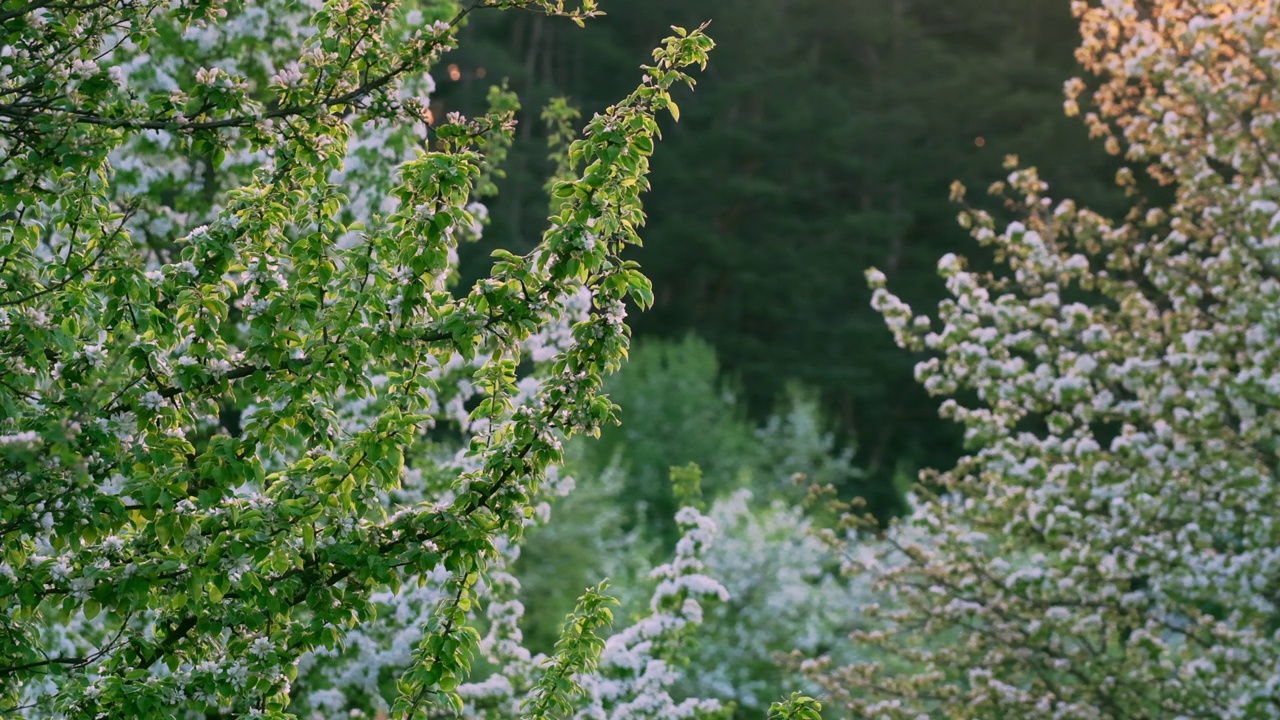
(821, 140)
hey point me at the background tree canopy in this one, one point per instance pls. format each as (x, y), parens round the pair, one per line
(822, 143)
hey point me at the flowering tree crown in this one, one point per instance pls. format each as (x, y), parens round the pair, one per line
(228, 323)
(1109, 546)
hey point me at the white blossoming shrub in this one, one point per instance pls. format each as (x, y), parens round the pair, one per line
(1109, 548)
(639, 665)
(783, 581)
(231, 342)
(634, 676)
(786, 595)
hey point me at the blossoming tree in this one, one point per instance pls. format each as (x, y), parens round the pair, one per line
(227, 327)
(1109, 548)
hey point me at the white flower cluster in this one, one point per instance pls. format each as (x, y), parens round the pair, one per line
(631, 681)
(30, 438)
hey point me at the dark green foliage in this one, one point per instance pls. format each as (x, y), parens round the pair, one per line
(677, 411)
(680, 409)
(585, 542)
(823, 142)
